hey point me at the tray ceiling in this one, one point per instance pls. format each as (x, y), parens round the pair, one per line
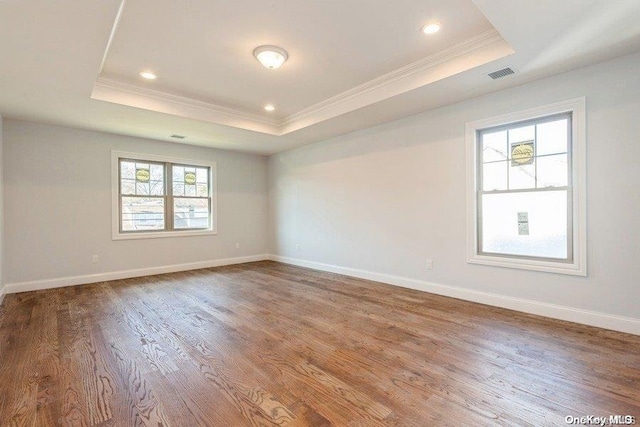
(342, 56)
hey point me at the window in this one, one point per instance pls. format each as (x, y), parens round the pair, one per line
(161, 197)
(526, 189)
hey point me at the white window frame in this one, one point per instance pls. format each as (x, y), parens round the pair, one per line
(578, 264)
(116, 234)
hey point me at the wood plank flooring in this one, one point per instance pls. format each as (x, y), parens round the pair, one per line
(266, 344)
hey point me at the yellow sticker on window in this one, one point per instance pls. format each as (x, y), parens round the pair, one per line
(189, 178)
(142, 175)
(522, 153)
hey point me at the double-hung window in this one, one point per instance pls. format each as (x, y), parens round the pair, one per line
(526, 189)
(156, 196)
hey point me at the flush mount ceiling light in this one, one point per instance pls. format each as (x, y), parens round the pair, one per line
(269, 107)
(431, 28)
(148, 75)
(271, 56)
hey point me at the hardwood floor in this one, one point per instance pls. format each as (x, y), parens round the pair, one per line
(269, 344)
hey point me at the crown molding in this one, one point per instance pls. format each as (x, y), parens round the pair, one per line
(479, 50)
(480, 41)
(135, 96)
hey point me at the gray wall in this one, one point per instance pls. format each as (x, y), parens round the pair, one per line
(387, 198)
(58, 205)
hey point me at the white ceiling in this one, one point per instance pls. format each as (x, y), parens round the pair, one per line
(352, 64)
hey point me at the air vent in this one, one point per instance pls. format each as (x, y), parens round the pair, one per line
(178, 136)
(501, 73)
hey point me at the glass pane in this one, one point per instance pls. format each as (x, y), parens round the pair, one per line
(142, 213)
(494, 146)
(529, 224)
(127, 170)
(178, 189)
(552, 137)
(203, 175)
(156, 188)
(128, 186)
(157, 173)
(202, 190)
(190, 190)
(141, 179)
(178, 174)
(522, 176)
(553, 171)
(521, 134)
(494, 176)
(142, 188)
(190, 213)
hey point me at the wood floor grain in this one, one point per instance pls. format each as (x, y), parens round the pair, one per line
(266, 344)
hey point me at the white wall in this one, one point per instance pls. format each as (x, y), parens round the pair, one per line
(58, 205)
(385, 199)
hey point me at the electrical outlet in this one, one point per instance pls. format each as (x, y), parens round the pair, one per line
(237, 245)
(297, 246)
(95, 259)
(429, 264)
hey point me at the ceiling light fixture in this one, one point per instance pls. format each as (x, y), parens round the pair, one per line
(271, 57)
(148, 75)
(431, 28)
(269, 107)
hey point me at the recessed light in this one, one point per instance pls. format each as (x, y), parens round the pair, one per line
(148, 75)
(269, 107)
(431, 28)
(271, 57)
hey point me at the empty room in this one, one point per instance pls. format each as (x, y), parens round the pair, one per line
(319, 213)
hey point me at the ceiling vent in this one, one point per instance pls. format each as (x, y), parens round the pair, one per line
(178, 136)
(501, 73)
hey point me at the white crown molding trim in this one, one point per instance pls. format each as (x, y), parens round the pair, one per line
(628, 325)
(60, 282)
(470, 53)
(149, 99)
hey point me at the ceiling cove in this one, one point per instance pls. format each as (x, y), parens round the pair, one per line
(474, 51)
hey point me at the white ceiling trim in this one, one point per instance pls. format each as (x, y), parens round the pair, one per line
(162, 102)
(479, 50)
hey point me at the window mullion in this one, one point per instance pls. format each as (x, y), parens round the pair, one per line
(169, 196)
(526, 190)
(570, 171)
(535, 155)
(508, 158)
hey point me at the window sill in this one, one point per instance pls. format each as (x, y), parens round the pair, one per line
(569, 268)
(161, 234)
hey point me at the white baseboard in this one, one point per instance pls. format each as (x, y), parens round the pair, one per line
(592, 318)
(37, 285)
(2, 292)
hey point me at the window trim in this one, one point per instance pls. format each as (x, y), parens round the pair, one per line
(116, 234)
(578, 264)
